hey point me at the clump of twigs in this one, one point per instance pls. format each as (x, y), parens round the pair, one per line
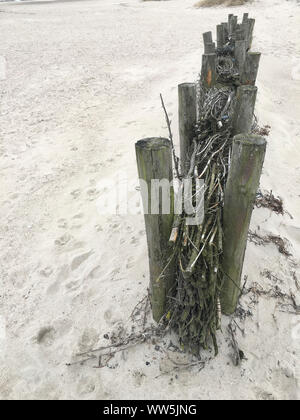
(262, 131)
(286, 301)
(269, 201)
(194, 308)
(280, 243)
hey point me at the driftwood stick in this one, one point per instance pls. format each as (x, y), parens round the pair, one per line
(187, 118)
(154, 161)
(248, 154)
(244, 110)
(175, 158)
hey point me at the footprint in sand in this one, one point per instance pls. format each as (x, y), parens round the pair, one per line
(92, 194)
(76, 193)
(77, 221)
(96, 273)
(86, 386)
(63, 240)
(53, 288)
(130, 263)
(62, 223)
(88, 339)
(73, 285)
(45, 336)
(134, 240)
(77, 261)
(46, 272)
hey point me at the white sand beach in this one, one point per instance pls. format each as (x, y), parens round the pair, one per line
(80, 85)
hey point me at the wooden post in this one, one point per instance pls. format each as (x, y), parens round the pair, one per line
(154, 161)
(249, 74)
(187, 118)
(240, 55)
(208, 70)
(220, 36)
(251, 23)
(245, 17)
(248, 154)
(210, 48)
(232, 24)
(225, 30)
(244, 109)
(207, 38)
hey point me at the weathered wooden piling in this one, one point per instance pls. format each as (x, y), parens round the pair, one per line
(210, 48)
(225, 30)
(154, 161)
(232, 25)
(251, 23)
(187, 118)
(240, 55)
(244, 109)
(220, 36)
(245, 17)
(208, 70)
(248, 154)
(207, 38)
(250, 70)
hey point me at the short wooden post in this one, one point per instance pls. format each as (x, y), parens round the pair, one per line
(249, 74)
(187, 118)
(245, 17)
(208, 70)
(210, 48)
(207, 38)
(154, 161)
(248, 154)
(244, 109)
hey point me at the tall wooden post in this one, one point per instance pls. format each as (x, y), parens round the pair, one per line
(225, 31)
(220, 36)
(240, 55)
(251, 23)
(208, 70)
(154, 161)
(250, 70)
(248, 154)
(244, 110)
(187, 118)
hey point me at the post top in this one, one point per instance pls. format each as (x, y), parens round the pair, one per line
(187, 84)
(153, 143)
(250, 139)
(254, 53)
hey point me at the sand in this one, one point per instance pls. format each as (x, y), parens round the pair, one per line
(82, 85)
